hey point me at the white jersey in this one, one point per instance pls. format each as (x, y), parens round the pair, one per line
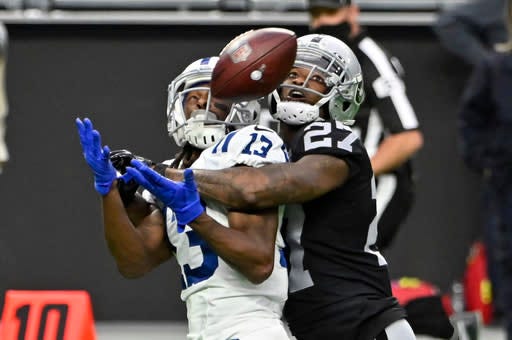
(221, 302)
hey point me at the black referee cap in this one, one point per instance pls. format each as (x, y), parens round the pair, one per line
(328, 3)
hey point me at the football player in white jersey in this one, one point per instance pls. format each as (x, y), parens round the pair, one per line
(234, 277)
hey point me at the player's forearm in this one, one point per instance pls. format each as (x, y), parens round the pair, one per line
(395, 150)
(241, 250)
(245, 188)
(222, 186)
(236, 187)
(274, 184)
(239, 188)
(125, 243)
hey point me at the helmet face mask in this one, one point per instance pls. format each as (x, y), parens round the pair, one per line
(205, 126)
(334, 62)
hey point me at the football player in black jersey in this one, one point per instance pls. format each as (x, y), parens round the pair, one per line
(339, 282)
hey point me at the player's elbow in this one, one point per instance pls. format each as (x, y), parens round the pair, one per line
(131, 271)
(260, 274)
(130, 275)
(249, 199)
(254, 196)
(245, 197)
(262, 270)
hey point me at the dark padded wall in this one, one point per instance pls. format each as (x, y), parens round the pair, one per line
(51, 235)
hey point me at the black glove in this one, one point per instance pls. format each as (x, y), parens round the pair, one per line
(120, 159)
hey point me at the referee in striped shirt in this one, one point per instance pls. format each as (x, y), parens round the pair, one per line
(386, 122)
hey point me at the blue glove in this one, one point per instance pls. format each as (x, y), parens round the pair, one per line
(181, 197)
(96, 156)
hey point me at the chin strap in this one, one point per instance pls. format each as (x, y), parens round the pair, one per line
(202, 134)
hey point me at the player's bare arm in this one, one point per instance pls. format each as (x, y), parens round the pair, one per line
(271, 185)
(137, 248)
(248, 244)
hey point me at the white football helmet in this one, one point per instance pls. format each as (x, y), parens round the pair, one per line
(332, 58)
(203, 128)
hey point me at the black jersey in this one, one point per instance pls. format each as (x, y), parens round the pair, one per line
(337, 280)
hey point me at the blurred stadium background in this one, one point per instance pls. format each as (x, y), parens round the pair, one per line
(112, 61)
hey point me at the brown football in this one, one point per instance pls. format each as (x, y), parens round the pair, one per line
(254, 63)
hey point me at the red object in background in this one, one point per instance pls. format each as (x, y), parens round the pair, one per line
(447, 304)
(406, 289)
(32, 314)
(427, 311)
(477, 286)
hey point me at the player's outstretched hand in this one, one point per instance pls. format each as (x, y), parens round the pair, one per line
(96, 156)
(181, 197)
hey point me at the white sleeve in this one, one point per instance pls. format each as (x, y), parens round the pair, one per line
(253, 146)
